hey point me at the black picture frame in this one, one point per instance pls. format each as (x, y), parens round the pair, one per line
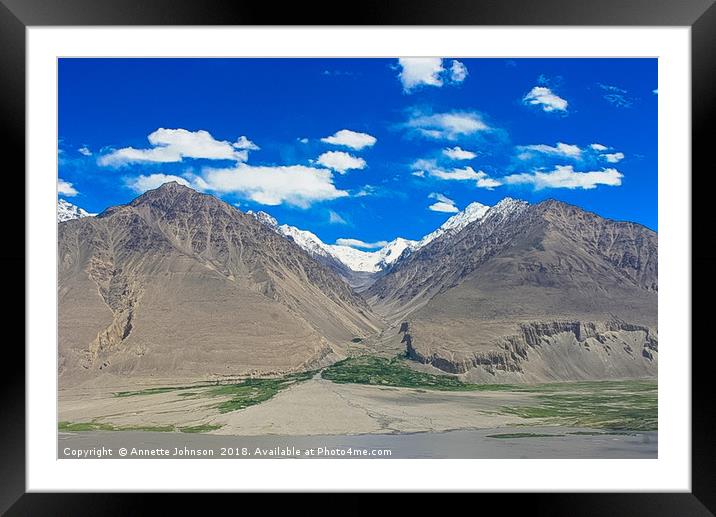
(700, 15)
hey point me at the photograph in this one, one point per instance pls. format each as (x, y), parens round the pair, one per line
(430, 246)
(423, 257)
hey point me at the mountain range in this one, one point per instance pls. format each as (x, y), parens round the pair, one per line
(181, 285)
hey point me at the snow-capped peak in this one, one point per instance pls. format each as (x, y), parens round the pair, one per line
(354, 259)
(508, 203)
(457, 222)
(373, 261)
(305, 239)
(506, 207)
(395, 248)
(263, 217)
(66, 211)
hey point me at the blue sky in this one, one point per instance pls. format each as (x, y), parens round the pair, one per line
(369, 149)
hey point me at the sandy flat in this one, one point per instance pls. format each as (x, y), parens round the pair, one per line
(314, 407)
(322, 407)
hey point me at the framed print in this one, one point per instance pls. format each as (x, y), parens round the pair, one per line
(445, 248)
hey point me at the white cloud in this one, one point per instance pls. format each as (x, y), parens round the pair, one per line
(419, 174)
(488, 183)
(335, 218)
(173, 145)
(561, 149)
(614, 157)
(448, 126)
(441, 197)
(443, 207)
(348, 138)
(457, 153)
(610, 157)
(143, 183)
(564, 176)
(442, 204)
(295, 185)
(356, 243)
(429, 71)
(245, 143)
(430, 133)
(655, 91)
(481, 178)
(303, 140)
(466, 173)
(420, 71)
(340, 161)
(458, 71)
(127, 155)
(546, 99)
(423, 164)
(85, 150)
(65, 188)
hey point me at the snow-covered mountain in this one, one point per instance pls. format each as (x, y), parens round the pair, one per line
(371, 261)
(67, 211)
(354, 259)
(506, 207)
(307, 240)
(457, 222)
(374, 261)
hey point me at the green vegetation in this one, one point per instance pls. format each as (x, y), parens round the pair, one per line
(613, 405)
(254, 391)
(601, 433)
(152, 428)
(84, 426)
(102, 426)
(522, 435)
(243, 394)
(623, 405)
(151, 391)
(616, 407)
(200, 428)
(396, 372)
(382, 371)
(631, 386)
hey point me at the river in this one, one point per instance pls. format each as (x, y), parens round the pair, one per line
(502, 443)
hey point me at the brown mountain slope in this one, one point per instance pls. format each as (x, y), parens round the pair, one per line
(180, 285)
(541, 292)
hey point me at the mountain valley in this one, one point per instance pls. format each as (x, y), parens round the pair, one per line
(180, 286)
